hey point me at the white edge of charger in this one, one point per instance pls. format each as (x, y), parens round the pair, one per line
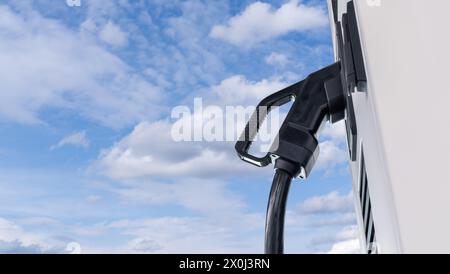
(403, 123)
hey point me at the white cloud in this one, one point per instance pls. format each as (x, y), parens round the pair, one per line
(208, 197)
(346, 247)
(331, 155)
(76, 139)
(113, 35)
(94, 230)
(260, 22)
(93, 199)
(335, 132)
(330, 218)
(337, 219)
(17, 247)
(238, 90)
(9, 231)
(45, 65)
(13, 239)
(333, 147)
(149, 151)
(192, 235)
(38, 221)
(346, 242)
(144, 245)
(187, 58)
(277, 59)
(330, 203)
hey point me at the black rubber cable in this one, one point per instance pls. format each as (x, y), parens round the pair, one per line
(276, 209)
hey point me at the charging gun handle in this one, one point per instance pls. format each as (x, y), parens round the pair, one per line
(318, 98)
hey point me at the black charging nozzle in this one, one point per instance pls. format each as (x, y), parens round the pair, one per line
(317, 99)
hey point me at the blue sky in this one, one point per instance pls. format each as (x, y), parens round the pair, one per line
(85, 116)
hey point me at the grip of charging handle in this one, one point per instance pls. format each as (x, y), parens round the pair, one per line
(318, 98)
(257, 119)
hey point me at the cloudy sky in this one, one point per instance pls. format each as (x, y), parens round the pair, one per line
(87, 161)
